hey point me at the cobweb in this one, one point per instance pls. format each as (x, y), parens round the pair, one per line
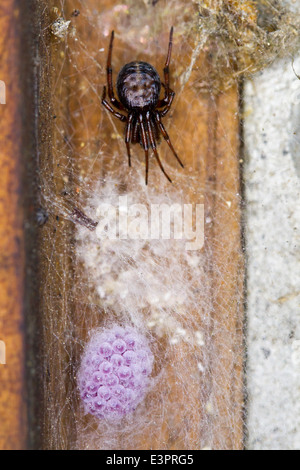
(174, 296)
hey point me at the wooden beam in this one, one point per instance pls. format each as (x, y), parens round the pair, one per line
(209, 141)
(13, 429)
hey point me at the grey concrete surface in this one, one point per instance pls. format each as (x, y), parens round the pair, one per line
(272, 187)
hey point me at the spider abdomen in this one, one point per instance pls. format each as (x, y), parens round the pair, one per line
(138, 86)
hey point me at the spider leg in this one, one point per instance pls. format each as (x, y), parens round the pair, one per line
(166, 137)
(135, 133)
(166, 99)
(145, 145)
(166, 68)
(110, 86)
(168, 104)
(109, 108)
(166, 85)
(128, 136)
(153, 145)
(147, 166)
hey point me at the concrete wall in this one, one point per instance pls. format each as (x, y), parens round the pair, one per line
(272, 180)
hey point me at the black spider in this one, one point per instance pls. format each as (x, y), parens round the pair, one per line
(138, 86)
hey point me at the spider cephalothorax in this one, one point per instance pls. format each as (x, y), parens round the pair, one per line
(138, 86)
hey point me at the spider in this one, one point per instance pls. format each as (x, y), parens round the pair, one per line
(138, 87)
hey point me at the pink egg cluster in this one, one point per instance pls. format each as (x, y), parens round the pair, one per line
(114, 373)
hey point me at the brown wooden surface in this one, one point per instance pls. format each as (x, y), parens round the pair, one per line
(13, 430)
(209, 141)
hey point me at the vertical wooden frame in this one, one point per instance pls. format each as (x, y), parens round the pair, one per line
(50, 407)
(13, 412)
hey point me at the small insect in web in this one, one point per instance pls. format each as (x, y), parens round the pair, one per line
(138, 87)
